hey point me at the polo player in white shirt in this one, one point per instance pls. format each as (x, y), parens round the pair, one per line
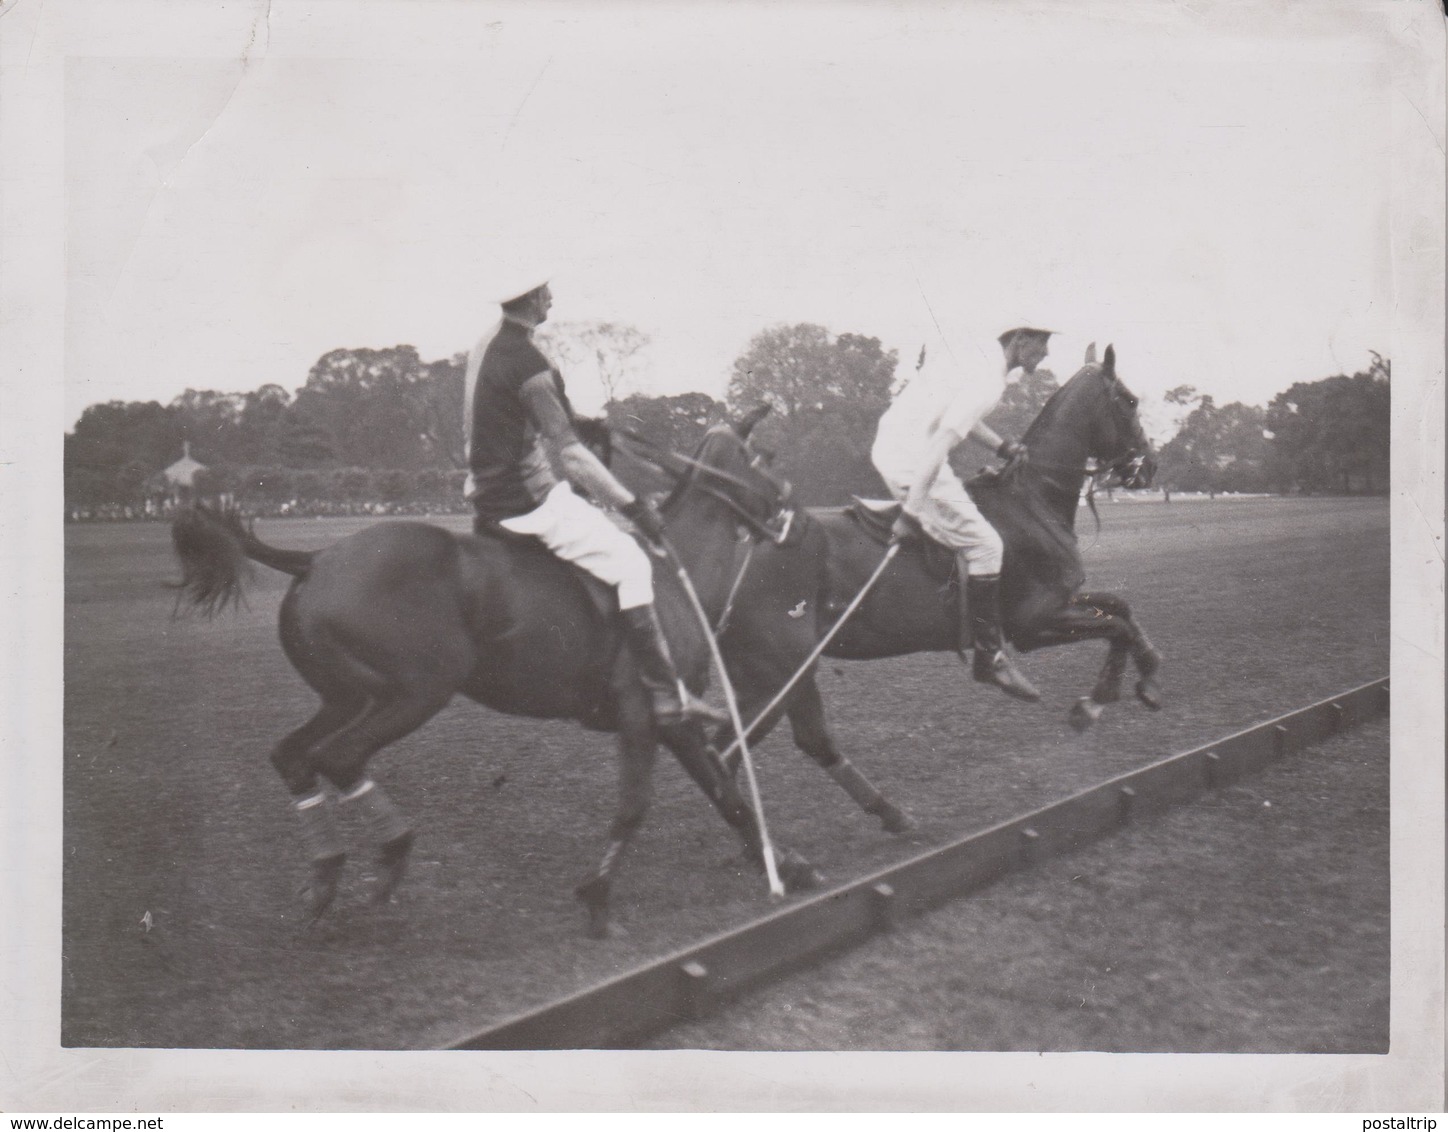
(943, 403)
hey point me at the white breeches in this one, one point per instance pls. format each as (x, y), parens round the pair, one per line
(951, 518)
(578, 532)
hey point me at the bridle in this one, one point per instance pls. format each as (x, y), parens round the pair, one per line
(1127, 465)
(723, 486)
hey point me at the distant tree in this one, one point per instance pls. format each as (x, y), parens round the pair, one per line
(352, 484)
(433, 484)
(1333, 435)
(117, 446)
(610, 347)
(440, 410)
(304, 438)
(265, 483)
(677, 422)
(211, 422)
(1215, 449)
(259, 427)
(828, 394)
(111, 435)
(370, 402)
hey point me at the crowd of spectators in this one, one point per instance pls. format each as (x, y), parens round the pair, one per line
(161, 510)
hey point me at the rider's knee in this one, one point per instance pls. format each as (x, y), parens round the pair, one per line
(986, 555)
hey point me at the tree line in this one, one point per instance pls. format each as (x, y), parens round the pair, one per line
(385, 426)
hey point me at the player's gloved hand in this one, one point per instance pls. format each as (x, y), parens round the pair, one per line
(645, 516)
(1011, 450)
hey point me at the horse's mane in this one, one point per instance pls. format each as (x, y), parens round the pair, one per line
(685, 478)
(1054, 403)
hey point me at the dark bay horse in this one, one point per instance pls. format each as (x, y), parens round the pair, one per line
(389, 624)
(791, 594)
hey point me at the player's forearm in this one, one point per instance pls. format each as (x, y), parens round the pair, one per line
(586, 472)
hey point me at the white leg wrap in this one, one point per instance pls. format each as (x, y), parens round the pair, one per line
(359, 790)
(384, 818)
(317, 818)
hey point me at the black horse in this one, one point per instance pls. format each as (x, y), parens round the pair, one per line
(790, 595)
(389, 624)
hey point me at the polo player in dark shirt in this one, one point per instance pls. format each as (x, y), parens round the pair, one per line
(525, 457)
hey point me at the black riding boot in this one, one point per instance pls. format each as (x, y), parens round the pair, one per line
(980, 630)
(672, 702)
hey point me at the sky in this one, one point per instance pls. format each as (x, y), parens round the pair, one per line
(1209, 195)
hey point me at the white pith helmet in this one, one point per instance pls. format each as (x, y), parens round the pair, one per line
(1015, 325)
(509, 283)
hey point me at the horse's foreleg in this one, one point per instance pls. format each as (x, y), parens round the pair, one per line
(755, 685)
(1107, 689)
(704, 767)
(1083, 620)
(1135, 643)
(1148, 662)
(812, 736)
(636, 750)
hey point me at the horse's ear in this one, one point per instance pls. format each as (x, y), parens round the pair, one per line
(1091, 354)
(745, 424)
(1108, 363)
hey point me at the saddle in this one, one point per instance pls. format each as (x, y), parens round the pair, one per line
(876, 518)
(603, 596)
(603, 715)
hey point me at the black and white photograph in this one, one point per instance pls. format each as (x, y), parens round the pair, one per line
(897, 541)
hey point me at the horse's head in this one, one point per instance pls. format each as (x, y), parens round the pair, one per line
(1096, 406)
(727, 469)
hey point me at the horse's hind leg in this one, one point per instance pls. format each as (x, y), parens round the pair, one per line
(812, 736)
(312, 805)
(757, 680)
(342, 758)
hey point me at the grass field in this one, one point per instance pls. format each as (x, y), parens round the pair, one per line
(172, 809)
(1250, 922)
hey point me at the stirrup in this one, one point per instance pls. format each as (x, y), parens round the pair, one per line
(683, 707)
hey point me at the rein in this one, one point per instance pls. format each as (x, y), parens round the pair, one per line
(734, 589)
(657, 456)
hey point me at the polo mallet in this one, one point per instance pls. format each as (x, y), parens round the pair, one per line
(771, 869)
(814, 655)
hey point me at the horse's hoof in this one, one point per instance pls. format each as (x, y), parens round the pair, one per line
(1149, 693)
(321, 887)
(392, 859)
(893, 820)
(797, 874)
(1084, 713)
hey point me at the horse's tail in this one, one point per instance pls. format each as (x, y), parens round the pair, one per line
(213, 549)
